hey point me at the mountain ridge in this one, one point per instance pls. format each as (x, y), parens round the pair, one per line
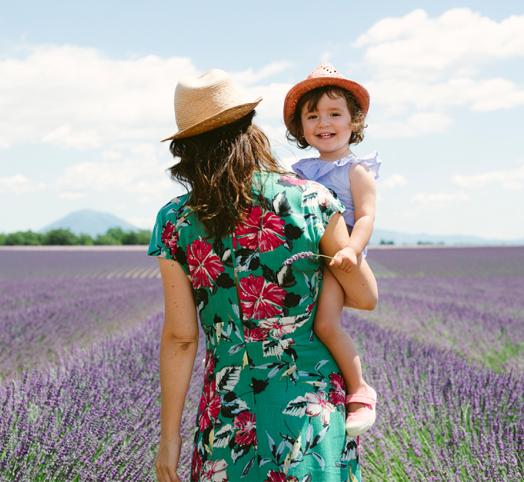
(89, 221)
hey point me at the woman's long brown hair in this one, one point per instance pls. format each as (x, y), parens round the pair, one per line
(218, 165)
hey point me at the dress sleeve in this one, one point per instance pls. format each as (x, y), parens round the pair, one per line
(298, 168)
(371, 163)
(164, 238)
(320, 205)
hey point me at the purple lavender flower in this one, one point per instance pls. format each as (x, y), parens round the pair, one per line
(304, 255)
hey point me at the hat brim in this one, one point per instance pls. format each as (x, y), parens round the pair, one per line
(293, 96)
(218, 120)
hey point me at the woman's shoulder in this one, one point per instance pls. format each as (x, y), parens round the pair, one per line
(293, 181)
(165, 237)
(172, 208)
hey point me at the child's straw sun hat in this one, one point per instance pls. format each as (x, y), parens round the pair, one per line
(322, 76)
(207, 102)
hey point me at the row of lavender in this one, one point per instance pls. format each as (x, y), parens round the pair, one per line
(468, 300)
(96, 418)
(33, 333)
(92, 412)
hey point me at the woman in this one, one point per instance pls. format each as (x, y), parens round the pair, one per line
(241, 250)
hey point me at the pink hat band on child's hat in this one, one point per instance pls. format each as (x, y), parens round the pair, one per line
(322, 76)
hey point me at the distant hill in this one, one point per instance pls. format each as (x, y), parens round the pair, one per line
(89, 222)
(414, 238)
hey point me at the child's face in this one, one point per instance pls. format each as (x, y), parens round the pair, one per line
(328, 127)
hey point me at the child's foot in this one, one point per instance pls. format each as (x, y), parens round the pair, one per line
(361, 406)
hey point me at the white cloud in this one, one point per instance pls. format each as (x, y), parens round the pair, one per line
(71, 195)
(457, 39)
(396, 96)
(273, 95)
(423, 66)
(67, 136)
(112, 155)
(19, 184)
(137, 170)
(78, 97)
(439, 199)
(251, 76)
(143, 222)
(393, 181)
(512, 179)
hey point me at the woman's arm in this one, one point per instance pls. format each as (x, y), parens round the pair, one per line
(359, 284)
(363, 191)
(178, 348)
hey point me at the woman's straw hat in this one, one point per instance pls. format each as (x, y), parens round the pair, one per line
(207, 102)
(322, 76)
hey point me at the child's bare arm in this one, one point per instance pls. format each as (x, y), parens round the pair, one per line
(363, 192)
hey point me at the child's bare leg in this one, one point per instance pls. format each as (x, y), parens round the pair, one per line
(328, 328)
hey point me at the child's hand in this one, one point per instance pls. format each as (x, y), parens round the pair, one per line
(345, 259)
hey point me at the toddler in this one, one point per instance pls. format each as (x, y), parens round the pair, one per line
(327, 111)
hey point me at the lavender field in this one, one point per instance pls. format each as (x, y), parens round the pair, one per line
(79, 387)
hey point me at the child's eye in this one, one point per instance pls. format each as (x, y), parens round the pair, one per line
(311, 116)
(335, 114)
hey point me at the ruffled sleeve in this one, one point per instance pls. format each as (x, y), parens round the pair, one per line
(314, 169)
(303, 168)
(371, 162)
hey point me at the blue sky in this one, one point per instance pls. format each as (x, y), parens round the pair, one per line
(86, 94)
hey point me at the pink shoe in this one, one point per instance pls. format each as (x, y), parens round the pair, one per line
(361, 421)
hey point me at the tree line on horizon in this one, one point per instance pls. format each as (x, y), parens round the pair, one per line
(65, 237)
(112, 237)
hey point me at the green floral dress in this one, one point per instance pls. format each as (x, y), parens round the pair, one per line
(272, 405)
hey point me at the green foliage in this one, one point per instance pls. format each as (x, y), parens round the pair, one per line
(60, 237)
(64, 237)
(85, 240)
(25, 238)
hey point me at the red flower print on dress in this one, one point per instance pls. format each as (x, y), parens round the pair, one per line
(295, 181)
(319, 405)
(170, 237)
(214, 471)
(246, 434)
(196, 464)
(274, 476)
(210, 365)
(262, 230)
(255, 334)
(204, 265)
(279, 327)
(260, 298)
(209, 406)
(337, 394)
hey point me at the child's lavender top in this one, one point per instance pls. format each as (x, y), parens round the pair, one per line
(335, 176)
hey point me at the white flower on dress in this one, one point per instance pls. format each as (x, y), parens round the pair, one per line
(317, 404)
(214, 471)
